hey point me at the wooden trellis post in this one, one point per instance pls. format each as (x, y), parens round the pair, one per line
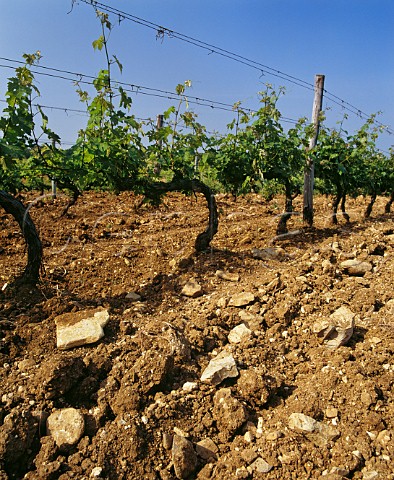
(309, 174)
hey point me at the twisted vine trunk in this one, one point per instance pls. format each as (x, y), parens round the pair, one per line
(371, 203)
(282, 225)
(387, 208)
(157, 189)
(15, 208)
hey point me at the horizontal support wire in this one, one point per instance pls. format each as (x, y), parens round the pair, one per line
(264, 69)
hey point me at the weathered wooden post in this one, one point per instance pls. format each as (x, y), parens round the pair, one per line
(309, 173)
(53, 185)
(159, 122)
(159, 125)
(53, 179)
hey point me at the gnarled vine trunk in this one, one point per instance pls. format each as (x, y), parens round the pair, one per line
(387, 208)
(157, 189)
(282, 225)
(371, 203)
(15, 208)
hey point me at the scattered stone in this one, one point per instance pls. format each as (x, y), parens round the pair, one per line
(184, 457)
(231, 277)
(302, 423)
(222, 302)
(189, 386)
(371, 475)
(242, 299)
(269, 253)
(331, 412)
(368, 398)
(384, 438)
(181, 433)
(261, 466)
(167, 441)
(327, 266)
(228, 412)
(219, 368)
(251, 320)
(319, 432)
(242, 473)
(239, 333)
(272, 436)
(249, 455)
(133, 296)
(192, 289)
(96, 472)
(339, 471)
(356, 267)
(338, 329)
(336, 247)
(66, 426)
(207, 449)
(80, 328)
(249, 437)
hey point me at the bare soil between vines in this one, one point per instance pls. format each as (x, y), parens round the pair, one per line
(130, 385)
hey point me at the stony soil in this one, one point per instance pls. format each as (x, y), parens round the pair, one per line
(145, 412)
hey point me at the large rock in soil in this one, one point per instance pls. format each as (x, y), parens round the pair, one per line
(66, 426)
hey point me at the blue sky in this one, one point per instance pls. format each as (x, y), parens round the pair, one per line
(351, 42)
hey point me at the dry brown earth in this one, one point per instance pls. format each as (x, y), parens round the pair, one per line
(145, 412)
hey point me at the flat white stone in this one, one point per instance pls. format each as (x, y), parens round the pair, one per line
(242, 299)
(318, 431)
(356, 267)
(231, 277)
(133, 296)
(80, 328)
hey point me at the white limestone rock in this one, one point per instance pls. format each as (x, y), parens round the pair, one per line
(219, 368)
(337, 329)
(80, 328)
(66, 426)
(239, 333)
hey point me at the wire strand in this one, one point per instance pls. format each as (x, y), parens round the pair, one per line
(264, 69)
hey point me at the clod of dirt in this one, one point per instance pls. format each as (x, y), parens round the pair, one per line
(57, 376)
(229, 413)
(16, 437)
(251, 385)
(184, 457)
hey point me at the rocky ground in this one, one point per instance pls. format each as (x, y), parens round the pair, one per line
(257, 359)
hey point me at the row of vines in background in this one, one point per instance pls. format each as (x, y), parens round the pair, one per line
(116, 152)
